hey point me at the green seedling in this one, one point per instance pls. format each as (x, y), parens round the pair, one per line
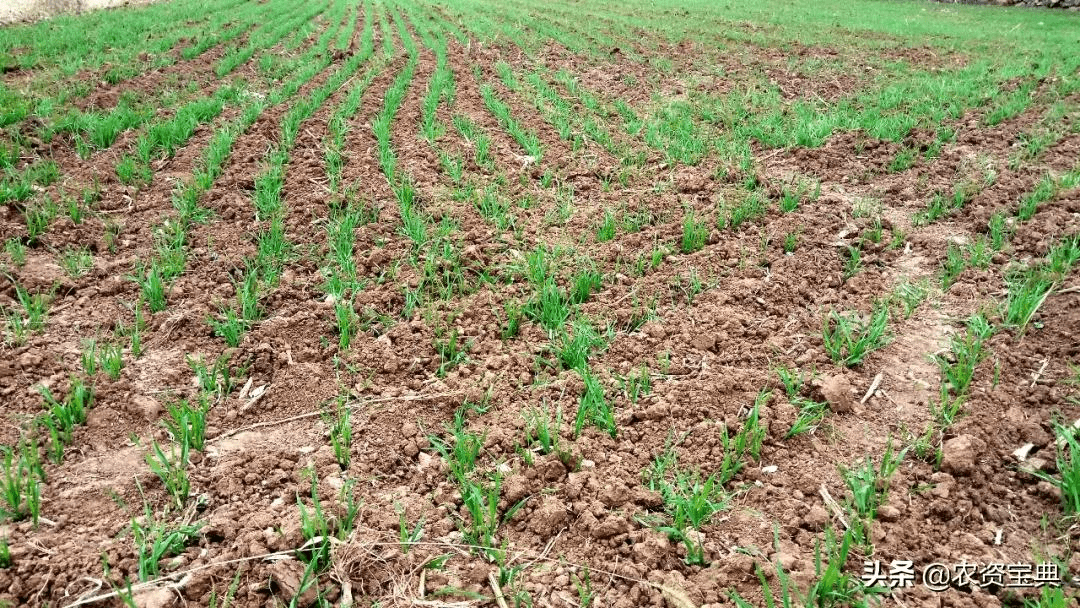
(452, 351)
(156, 540)
(606, 231)
(340, 424)
(111, 359)
(186, 424)
(20, 486)
(171, 469)
(76, 261)
(811, 413)
(849, 339)
(852, 262)
(594, 407)
(408, 537)
(541, 431)
(908, 295)
(695, 232)
(462, 453)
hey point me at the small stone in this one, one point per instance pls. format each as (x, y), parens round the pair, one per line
(1022, 452)
(410, 450)
(1034, 465)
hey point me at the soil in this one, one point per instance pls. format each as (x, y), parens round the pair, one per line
(708, 359)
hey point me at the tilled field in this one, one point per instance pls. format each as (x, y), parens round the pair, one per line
(386, 303)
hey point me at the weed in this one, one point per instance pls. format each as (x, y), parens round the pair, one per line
(152, 285)
(16, 250)
(751, 206)
(637, 383)
(573, 348)
(999, 230)
(584, 283)
(869, 486)
(691, 286)
(35, 307)
(214, 380)
(965, 353)
(792, 379)
(89, 357)
(832, 587)
(689, 500)
(811, 413)
(231, 328)
(1027, 291)
(583, 585)
(550, 307)
(512, 325)
(408, 537)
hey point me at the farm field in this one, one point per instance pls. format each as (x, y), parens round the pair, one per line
(680, 303)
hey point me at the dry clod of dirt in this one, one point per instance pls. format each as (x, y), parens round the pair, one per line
(838, 393)
(959, 454)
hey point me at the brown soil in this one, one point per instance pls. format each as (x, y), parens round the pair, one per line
(708, 359)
